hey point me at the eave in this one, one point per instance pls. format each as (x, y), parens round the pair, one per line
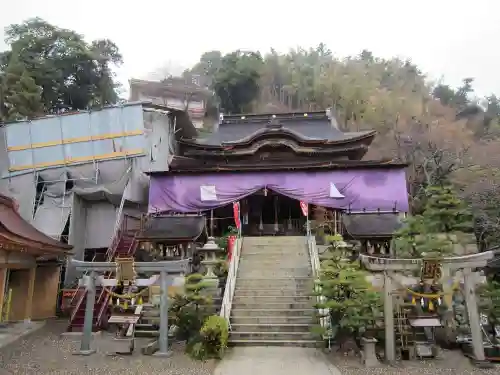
(356, 147)
(282, 133)
(180, 165)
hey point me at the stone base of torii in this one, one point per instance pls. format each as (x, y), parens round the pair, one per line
(467, 264)
(167, 270)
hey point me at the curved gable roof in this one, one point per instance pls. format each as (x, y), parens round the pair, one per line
(304, 127)
(16, 229)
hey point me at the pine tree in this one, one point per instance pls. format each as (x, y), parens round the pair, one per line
(22, 96)
(445, 212)
(353, 305)
(435, 230)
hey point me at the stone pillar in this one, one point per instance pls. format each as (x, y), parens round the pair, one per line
(474, 323)
(163, 339)
(29, 295)
(369, 354)
(89, 316)
(390, 349)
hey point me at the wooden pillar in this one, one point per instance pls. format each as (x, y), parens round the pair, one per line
(3, 278)
(29, 295)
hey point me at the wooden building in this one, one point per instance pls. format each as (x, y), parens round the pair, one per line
(270, 162)
(29, 267)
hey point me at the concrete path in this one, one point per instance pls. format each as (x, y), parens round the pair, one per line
(270, 360)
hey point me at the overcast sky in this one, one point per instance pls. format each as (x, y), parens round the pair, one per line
(449, 38)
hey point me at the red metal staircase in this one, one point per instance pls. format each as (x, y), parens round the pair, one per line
(124, 244)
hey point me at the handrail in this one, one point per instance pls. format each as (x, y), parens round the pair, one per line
(106, 295)
(227, 300)
(324, 319)
(110, 253)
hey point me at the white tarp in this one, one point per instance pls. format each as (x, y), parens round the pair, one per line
(208, 193)
(334, 192)
(54, 208)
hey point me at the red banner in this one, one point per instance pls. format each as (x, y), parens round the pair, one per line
(304, 208)
(236, 211)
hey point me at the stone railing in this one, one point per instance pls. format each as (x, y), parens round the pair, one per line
(227, 300)
(324, 319)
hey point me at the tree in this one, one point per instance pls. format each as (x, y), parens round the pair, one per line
(236, 82)
(71, 73)
(444, 93)
(21, 95)
(489, 304)
(435, 231)
(354, 307)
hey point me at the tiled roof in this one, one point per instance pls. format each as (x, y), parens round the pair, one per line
(371, 224)
(14, 228)
(173, 228)
(307, 127)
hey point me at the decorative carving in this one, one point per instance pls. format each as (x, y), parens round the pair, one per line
(274, 124)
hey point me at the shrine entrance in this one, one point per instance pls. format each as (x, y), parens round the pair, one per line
(264, 213)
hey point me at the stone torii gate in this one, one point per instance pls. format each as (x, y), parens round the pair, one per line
(166, 270)
(464, 263)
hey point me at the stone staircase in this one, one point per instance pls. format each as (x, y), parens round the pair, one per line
(273, 303)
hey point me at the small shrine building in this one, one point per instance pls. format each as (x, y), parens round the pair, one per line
(30, 265)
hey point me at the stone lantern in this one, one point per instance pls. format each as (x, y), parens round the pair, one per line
(209, 251)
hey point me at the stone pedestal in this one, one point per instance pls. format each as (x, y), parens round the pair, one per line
(369, 355)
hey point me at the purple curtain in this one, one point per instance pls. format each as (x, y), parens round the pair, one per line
(367, 189)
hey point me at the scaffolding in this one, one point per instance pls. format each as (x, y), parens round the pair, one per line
(57, 181)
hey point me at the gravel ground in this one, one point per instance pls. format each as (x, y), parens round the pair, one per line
(452, 362)
(47, 352)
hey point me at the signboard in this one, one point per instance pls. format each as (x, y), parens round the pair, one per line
(431, 269)
(304, 207)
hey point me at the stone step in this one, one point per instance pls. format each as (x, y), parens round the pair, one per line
(290, 336)
(252, 304)
(290, 268)
(256, 298)
(274, 252)
(271, 312)
(295, 343)
(272, 274)
(301, 290)
(273, 239)
(271, 264)
(274, 267)
(286, 327)
(287, 282)
(276, 319)
(281, 246)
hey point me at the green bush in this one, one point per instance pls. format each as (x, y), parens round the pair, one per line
(189, 310)
(221, 268)
(212, 340)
